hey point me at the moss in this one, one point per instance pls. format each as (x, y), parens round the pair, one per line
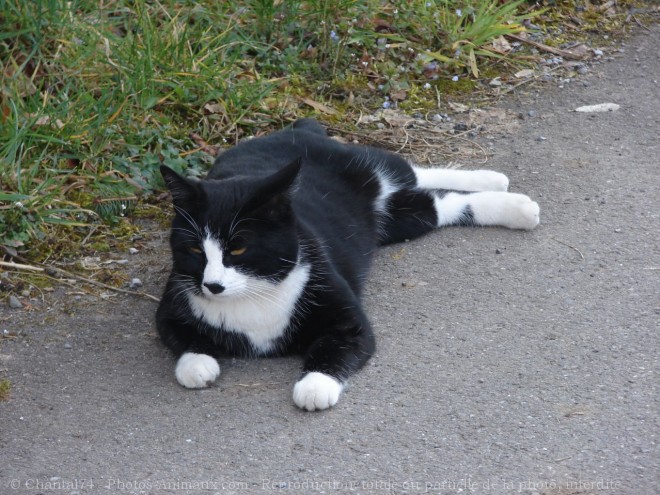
(5, 389)
(463, 86)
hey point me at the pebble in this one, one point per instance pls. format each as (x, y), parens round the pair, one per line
(440, 117)
(133, 250)
(541, 138)
(68, 346)
(15, 303)
(136, 283)
(495, 83)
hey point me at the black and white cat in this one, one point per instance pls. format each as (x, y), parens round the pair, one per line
(271, 251)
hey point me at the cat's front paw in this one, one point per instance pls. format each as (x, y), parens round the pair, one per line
(196, 370)
(316, 391)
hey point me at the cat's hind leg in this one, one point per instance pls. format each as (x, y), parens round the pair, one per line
(486, 208)
(413, 212)
(460, 180)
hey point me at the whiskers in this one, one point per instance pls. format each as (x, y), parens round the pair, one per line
(184, 285)
(260, 293)
(197, 231)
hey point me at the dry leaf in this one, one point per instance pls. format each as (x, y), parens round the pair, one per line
(501, 45)
(400, 95)
(396, 118)
(43, 120)
(458, 107)
(320, 106)
(214, 108)
(581, 51)
(525, 73)
(368, 119)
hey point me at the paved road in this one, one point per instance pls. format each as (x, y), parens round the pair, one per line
(508, 362)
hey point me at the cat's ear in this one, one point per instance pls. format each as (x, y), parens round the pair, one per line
(282, 180)
(274, 193)
(185, 193)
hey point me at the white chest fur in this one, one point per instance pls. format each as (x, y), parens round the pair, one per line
(262, 312)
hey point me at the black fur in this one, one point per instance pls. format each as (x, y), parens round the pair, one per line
(299, 195)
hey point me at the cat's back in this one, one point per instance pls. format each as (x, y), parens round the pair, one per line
(261, 156)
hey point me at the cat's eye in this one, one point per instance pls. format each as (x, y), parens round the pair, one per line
(195, 250)
(237, 252)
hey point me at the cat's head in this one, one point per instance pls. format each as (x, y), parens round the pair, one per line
(230, 235)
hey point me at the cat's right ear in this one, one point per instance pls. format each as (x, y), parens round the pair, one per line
(185, 193)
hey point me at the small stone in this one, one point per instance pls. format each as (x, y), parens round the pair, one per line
(15, 303)
(541, 138)
(25, 293)
(601, 107)
(495, 83)
(531, 113)
(136, 283)
(497, 251)
(68, 346)
(133, 250)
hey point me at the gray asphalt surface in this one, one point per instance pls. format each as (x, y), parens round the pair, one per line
(508, 362)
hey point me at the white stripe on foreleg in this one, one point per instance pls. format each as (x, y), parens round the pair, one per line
(460, 180)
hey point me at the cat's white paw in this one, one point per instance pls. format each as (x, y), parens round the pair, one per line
(521, 212)
(316, 391)
(196, 370)
(488, 180)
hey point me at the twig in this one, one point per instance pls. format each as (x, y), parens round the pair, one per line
(639, 23)
(60, 271)
(18, 266)
(568, 245)
(104, 286)
(546, 48)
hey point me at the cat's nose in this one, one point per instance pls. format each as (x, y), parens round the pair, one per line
(214, 288)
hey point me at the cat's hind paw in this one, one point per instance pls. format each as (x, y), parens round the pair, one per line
(521, 212)
(488, 180)
(196, 370)
(316, 391)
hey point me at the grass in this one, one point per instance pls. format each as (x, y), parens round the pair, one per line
(94, 96)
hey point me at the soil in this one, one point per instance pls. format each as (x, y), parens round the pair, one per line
(508, 362)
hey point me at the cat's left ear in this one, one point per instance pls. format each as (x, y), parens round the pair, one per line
(282, 180)
(274, 194)
(185, 193)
